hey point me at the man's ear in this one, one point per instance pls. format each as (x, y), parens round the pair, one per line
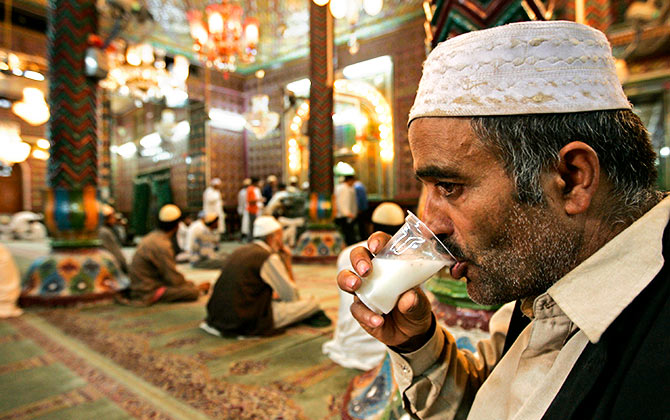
(579, 170)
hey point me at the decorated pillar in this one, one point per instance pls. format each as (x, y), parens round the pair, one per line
(322, 240)
(449, 18)
(76, 269)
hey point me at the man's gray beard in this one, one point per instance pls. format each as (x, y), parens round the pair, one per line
(532, 251)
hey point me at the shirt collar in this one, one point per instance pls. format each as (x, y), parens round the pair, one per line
(600, 288)
(263, 245)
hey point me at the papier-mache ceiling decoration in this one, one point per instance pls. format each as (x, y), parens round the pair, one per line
(283, 26)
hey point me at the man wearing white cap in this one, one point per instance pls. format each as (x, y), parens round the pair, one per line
(109, 239)
(242, 209)
(270, 188)
(541, 182)
(253, 207)
(351, 346)
(212, 202)
(255, 293)
(153, 274)
(202, 242)
(293, 185)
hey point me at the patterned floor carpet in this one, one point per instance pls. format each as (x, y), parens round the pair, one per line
(115, 362)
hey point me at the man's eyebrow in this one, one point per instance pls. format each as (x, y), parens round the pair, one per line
(435, 172)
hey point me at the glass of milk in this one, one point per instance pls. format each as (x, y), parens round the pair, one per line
(411, 257)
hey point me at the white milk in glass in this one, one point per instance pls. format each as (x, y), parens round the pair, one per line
(392, 277)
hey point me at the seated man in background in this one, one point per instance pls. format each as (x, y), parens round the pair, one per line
(181, 238)
(109, 239)
(256, 293)
(351, 346)
(153, 273)
(202, 242)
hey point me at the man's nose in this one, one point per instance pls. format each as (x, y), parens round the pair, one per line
(436, 217)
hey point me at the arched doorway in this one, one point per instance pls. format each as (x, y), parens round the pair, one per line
(363, 136)
(11, 185)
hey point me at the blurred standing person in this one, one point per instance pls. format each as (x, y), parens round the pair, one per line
(242, 209)
(269, 188)
(346, 208)
(10, 285)
(293, 185)
(362, 217)
(254, 206)
(109, 239)
(212, 202)
(274, 206)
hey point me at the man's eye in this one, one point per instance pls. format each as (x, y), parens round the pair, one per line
(447, 188)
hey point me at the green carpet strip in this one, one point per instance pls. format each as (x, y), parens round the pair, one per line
(146, 391)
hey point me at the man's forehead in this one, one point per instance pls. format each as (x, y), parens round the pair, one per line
(447, 147)
(441, 133)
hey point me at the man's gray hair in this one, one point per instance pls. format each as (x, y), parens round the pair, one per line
(529, 145)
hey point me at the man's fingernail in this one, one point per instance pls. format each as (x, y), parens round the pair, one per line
(376, 320)
(362, 268)
(374, 245)
(351, 282)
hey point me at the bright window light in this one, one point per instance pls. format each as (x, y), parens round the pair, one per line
(665, 151)
(226, 120)
(181, 131)
(300, 87)
(151, 141)
(127, 150)
(33, 75)
(367, 68)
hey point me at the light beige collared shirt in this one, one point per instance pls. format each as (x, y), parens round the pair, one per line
(438, 380)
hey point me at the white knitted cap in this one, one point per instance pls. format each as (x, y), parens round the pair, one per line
(520, 68)
(265, 225)
(388, 213)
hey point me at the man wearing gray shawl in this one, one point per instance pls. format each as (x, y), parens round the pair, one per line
(541, 181)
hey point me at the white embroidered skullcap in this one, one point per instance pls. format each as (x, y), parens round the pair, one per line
(265, 225)
(169, 213)
(520, 68)
(388, 213)
(215, 181)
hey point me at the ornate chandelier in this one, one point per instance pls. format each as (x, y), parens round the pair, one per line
(351, 9)
(261, 121)
(32, 108)
(221, 38)
(12, 148)
(139, 71)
